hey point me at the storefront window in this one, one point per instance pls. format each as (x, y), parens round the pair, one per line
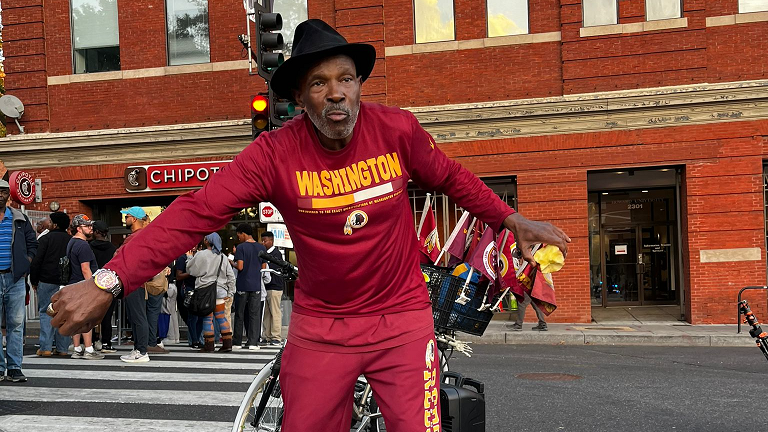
(507, 17)
(187, 28)
(434, 21)
(595, 267)
(95, 38)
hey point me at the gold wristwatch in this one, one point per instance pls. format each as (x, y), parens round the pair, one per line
(108, 281)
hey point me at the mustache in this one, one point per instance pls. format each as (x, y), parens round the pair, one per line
(336, 107)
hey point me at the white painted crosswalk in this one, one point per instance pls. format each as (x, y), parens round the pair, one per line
(180, 391)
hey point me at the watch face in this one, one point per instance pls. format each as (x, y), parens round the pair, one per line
(105, 279)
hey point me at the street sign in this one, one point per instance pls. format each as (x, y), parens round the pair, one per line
(269, 213)
(282, 237)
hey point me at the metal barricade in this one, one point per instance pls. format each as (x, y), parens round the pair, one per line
(738, 311)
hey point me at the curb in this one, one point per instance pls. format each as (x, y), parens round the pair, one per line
(578, 338)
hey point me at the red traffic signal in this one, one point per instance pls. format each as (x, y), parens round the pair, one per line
(259, 115)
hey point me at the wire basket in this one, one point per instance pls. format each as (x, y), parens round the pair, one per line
(444, 289)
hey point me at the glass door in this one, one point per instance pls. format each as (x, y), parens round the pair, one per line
(621, 266)
(656, 266)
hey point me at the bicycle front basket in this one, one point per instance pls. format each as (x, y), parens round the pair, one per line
(444, 289)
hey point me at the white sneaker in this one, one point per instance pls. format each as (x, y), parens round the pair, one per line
(97, 345)
(237, 347)
(93, 355)
(135, 357)
(161, 345)
(254, 347)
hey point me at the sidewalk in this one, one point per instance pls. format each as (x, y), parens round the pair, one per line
(667, 334)
(634, 325)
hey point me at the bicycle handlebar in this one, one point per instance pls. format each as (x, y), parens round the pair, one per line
(286, 268)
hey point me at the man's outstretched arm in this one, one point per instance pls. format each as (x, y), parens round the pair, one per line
(242, 183)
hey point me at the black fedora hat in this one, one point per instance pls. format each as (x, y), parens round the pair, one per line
(313, 41)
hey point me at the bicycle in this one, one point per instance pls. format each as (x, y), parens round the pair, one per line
(262, 406)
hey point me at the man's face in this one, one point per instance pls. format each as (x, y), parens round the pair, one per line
(129, 220)
(330, 94)
(87, 231)
(267, 242)
(5, 194)
(240, 237)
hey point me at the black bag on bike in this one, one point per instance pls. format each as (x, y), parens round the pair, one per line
(202, 301)
(462, 408)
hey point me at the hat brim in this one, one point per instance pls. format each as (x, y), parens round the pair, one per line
(286, 78)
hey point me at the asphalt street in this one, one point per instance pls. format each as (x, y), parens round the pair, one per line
(527, 388)
(620, 388)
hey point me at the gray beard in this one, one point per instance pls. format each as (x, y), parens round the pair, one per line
(324, 125)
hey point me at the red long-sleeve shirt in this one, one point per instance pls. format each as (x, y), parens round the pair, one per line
(347, 211)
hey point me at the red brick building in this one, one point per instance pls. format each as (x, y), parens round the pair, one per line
(640, 127)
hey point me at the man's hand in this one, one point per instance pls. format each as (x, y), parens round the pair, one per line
(528, 233)
(79, 307)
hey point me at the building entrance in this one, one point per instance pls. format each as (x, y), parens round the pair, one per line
(634, 247)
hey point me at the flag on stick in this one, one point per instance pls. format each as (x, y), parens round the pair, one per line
(456, 243)
(485, 257)
(429, 242)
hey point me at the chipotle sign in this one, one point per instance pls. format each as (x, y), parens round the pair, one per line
(170, 176)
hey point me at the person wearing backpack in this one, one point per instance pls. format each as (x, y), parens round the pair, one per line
(46, 278)
(82, 265)
(210, 266)
(143, 306)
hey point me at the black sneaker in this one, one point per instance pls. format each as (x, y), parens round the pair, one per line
(15, 375)
(514, 327)
(107, 349)
(2, 376)
(541, 327)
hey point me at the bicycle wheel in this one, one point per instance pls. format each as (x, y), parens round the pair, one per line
(271, 419)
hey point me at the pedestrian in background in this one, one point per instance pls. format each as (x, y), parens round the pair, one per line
(521, 307)
(194, 322)
(46, 279)
(104, 250)
(273, 315)
(168, 327)
(82, 264)
(249, 287)
(210, 266)
(142, 308)
(18, 246)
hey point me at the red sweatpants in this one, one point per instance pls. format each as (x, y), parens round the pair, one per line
(318, 387)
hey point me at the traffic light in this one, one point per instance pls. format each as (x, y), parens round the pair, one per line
(259, 115)
(269, 40)
(282, 110)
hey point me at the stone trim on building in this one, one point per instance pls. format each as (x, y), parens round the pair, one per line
(636, 27)
(148, 72)
(392, 51)
(724, 20)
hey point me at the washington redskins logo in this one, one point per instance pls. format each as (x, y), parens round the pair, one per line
(356, 220)
(430, 354)
(490, 259)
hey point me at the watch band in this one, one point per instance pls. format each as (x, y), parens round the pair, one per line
(108, 281)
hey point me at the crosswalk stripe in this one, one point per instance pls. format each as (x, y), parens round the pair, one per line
(239, 355)
(24, 423)
(136, 375)
(155, 362)
(132, 396)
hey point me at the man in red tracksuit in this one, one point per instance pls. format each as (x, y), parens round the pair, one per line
(339, 175)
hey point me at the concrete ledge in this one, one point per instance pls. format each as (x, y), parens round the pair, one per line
(730, 255)
(742, 18)
(522, 39)
(148, 72)
(637, 27)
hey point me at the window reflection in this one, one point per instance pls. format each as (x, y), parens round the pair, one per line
(434, 20)
(600, 12)
(187, 26)
(507, 17)
(96, 46)
(293, 12)
(746, 6)
(662, 9)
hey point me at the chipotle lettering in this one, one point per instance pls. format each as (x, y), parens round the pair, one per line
(170, 176)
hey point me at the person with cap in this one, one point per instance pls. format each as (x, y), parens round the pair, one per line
(18, 246)
(45, 277)
(104, 250)
(82, 265)
(210, 266)
(143, 308)
(341, 187)
(273, 315)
